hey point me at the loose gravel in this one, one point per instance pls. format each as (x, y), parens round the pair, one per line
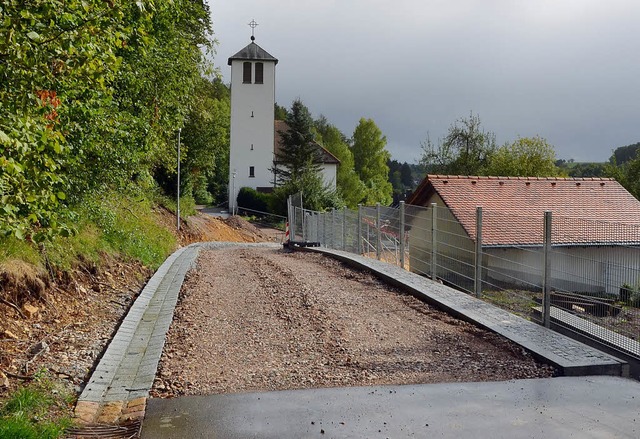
(263, 319)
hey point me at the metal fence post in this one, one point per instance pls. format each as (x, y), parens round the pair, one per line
(292, 226)
(344, 228)
(359, 231)
(401, 233)
(546, 280)
(378, 232)
(478, 276)
(434, 230)
(333, 228)
(305, 233)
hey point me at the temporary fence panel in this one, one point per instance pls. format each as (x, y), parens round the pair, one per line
(508, 266)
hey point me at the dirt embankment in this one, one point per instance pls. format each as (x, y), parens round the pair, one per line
(60, 321)
(262, 319)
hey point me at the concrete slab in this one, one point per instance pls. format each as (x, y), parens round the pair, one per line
(580, 407)
(219, 212)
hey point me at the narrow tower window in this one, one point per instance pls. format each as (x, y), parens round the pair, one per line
(259, 73)
(246, 73)
(252, 171)
(252, 147)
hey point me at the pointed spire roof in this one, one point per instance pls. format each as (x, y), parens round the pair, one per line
(253, 52)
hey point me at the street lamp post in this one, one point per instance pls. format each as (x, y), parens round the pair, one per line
(233, 197)
(178, 189)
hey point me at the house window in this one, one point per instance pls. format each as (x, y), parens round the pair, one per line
(259, 73)
(252, 171)
(246, 73)
(252, 147)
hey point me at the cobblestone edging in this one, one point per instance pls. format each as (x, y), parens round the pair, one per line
(122, 379)
(571, 357)
(119, 386)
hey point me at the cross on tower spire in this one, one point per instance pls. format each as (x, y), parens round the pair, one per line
(253, 25)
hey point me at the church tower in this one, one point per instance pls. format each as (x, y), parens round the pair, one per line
(252, 120)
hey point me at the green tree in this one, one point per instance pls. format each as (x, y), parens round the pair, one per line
(91, 95)
(632, 177)
(624, 154)
(401, 178)
(280, 113)
(206, 138)
(162, 64)
(525, 157)
(370, 160)
(298, 167)
(57, 59)
(406, 176)
(298, 155)
(466, 150)
(627, 174)
(585, 170)
(349, 186)
(315, 195)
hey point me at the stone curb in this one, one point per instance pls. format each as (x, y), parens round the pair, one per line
(119, 386)
(125, 373)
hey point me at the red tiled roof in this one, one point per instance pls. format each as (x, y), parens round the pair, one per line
(585, 211)
(280, 125)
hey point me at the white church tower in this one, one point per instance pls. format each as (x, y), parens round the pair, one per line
(252, 120)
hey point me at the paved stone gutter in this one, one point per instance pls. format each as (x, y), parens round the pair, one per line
(571, 357)
(119, 386)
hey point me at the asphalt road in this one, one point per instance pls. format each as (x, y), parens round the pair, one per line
(565, 407)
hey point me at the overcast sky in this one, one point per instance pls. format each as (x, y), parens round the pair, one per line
(567, 70)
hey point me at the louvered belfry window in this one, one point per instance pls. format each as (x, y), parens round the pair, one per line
(259, 73)
(246, 73)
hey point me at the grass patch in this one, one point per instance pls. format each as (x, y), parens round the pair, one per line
(128, 226)
(187, 205)
(35, 412)
(518, 302)
(12, 249)
(114, 223)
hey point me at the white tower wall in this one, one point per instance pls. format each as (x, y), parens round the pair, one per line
(252, 129)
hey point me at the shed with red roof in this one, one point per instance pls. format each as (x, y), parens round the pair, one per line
(595, 230)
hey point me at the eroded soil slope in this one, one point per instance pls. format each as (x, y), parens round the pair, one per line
(57, 323)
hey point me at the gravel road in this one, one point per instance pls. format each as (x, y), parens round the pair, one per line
(262, 319)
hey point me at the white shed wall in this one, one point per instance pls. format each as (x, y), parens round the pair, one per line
(576, 269)
(329, 174)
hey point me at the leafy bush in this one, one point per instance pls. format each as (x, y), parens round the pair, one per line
(200, 193)
(251, 199)
(630, 295)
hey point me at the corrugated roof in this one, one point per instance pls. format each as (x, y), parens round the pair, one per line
(280, 125)
(586, 211)
(253, 52)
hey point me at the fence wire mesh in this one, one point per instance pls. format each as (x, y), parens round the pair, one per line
(592, 285)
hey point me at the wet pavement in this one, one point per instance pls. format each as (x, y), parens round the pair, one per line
(564, 407)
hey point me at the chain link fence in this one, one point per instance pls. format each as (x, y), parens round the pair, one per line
(573, 274)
